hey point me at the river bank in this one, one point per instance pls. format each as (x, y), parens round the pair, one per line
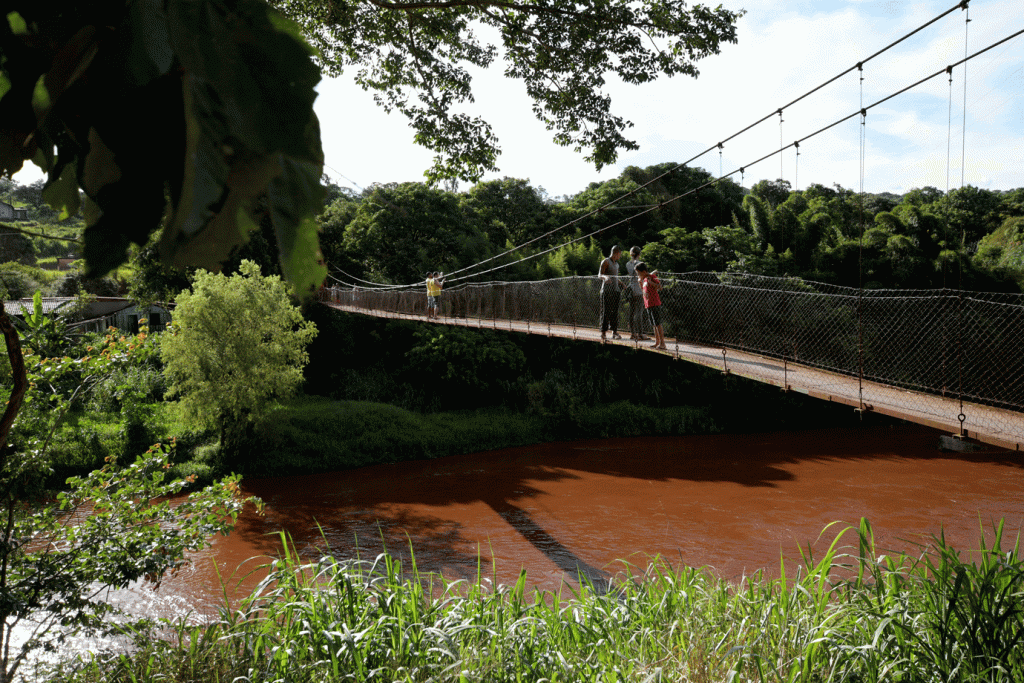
(734, 503)
(546, 515)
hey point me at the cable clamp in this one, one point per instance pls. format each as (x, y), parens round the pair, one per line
(864, 113)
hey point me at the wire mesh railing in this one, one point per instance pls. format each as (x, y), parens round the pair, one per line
(948, 343)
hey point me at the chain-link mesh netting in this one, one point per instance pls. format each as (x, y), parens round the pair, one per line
(878, 344)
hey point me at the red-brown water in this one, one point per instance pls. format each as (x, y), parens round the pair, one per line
(733, 503)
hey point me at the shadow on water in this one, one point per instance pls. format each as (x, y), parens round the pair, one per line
(561, 556)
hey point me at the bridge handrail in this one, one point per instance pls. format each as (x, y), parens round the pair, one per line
(942, 341)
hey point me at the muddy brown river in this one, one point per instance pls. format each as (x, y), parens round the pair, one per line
(732, 503)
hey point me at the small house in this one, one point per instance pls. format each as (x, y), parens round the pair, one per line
(101, 313)
(9, 212)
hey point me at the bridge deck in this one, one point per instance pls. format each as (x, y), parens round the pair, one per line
(1003, 428)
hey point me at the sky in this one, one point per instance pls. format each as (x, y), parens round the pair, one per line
(785, 47)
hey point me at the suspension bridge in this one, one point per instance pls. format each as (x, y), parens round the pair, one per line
(949, 359)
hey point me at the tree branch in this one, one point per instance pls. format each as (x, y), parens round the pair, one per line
(479, 4)
(32, 233)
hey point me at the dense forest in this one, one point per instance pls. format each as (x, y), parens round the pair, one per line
(394, 233)
(970, 237)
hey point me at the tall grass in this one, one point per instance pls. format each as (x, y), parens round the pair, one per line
(848, 616)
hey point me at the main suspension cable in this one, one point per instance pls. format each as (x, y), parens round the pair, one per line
(861, 112)
(610, 204)
(719, 145)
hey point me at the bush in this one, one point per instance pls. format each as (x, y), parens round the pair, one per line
(318, 435)
(21, 281)
(460, 368)
(73, 283)
(81, 446)
(126, 386)
(237, 343)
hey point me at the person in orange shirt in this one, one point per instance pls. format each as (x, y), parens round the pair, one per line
(652, 301)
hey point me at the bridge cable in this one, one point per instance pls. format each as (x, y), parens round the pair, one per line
(863, 111)
(860, 251)
(719, 144)
(945, 228)
(796, 168)
(963, 240)
(782, 175)
(741, 169)
(373, 285)
(782, 172)
(683, 164)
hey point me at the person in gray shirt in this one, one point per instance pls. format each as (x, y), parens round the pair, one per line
(635, 297)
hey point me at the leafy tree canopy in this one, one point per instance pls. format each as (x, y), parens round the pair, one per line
(206, 103)
(405, 230)
(772, 191)
(236, 343)
(414, 54)
(508, 210)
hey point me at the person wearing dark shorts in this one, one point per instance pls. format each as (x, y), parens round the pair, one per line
(611, 293)
(650, 284)
(636, 298)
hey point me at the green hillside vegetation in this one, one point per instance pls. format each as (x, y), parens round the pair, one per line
(924, 239)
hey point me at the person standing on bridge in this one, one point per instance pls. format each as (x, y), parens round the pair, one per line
(652, 301)
(636, 298)
(611, 292)
(434, 284)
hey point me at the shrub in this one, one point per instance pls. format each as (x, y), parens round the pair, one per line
(237, 342)
(21, 281)
(74, 282)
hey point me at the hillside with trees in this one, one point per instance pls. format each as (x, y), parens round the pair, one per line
(925, 239)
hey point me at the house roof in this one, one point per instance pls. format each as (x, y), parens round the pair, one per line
(100, 306)
(24, 306)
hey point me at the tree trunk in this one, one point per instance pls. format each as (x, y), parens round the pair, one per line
(20, 381)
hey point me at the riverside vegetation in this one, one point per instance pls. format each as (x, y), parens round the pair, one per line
(263, 161)
(852, 615)
(856, 616)
(848, 616)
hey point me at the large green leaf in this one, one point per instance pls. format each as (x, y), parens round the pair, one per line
(295, 196)
(249, 91)
(61, 190)
(147, 48)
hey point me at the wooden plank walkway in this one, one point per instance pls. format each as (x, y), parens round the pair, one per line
(1002, 428)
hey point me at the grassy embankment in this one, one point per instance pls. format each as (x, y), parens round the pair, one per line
(858, 616)
(314, 434)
